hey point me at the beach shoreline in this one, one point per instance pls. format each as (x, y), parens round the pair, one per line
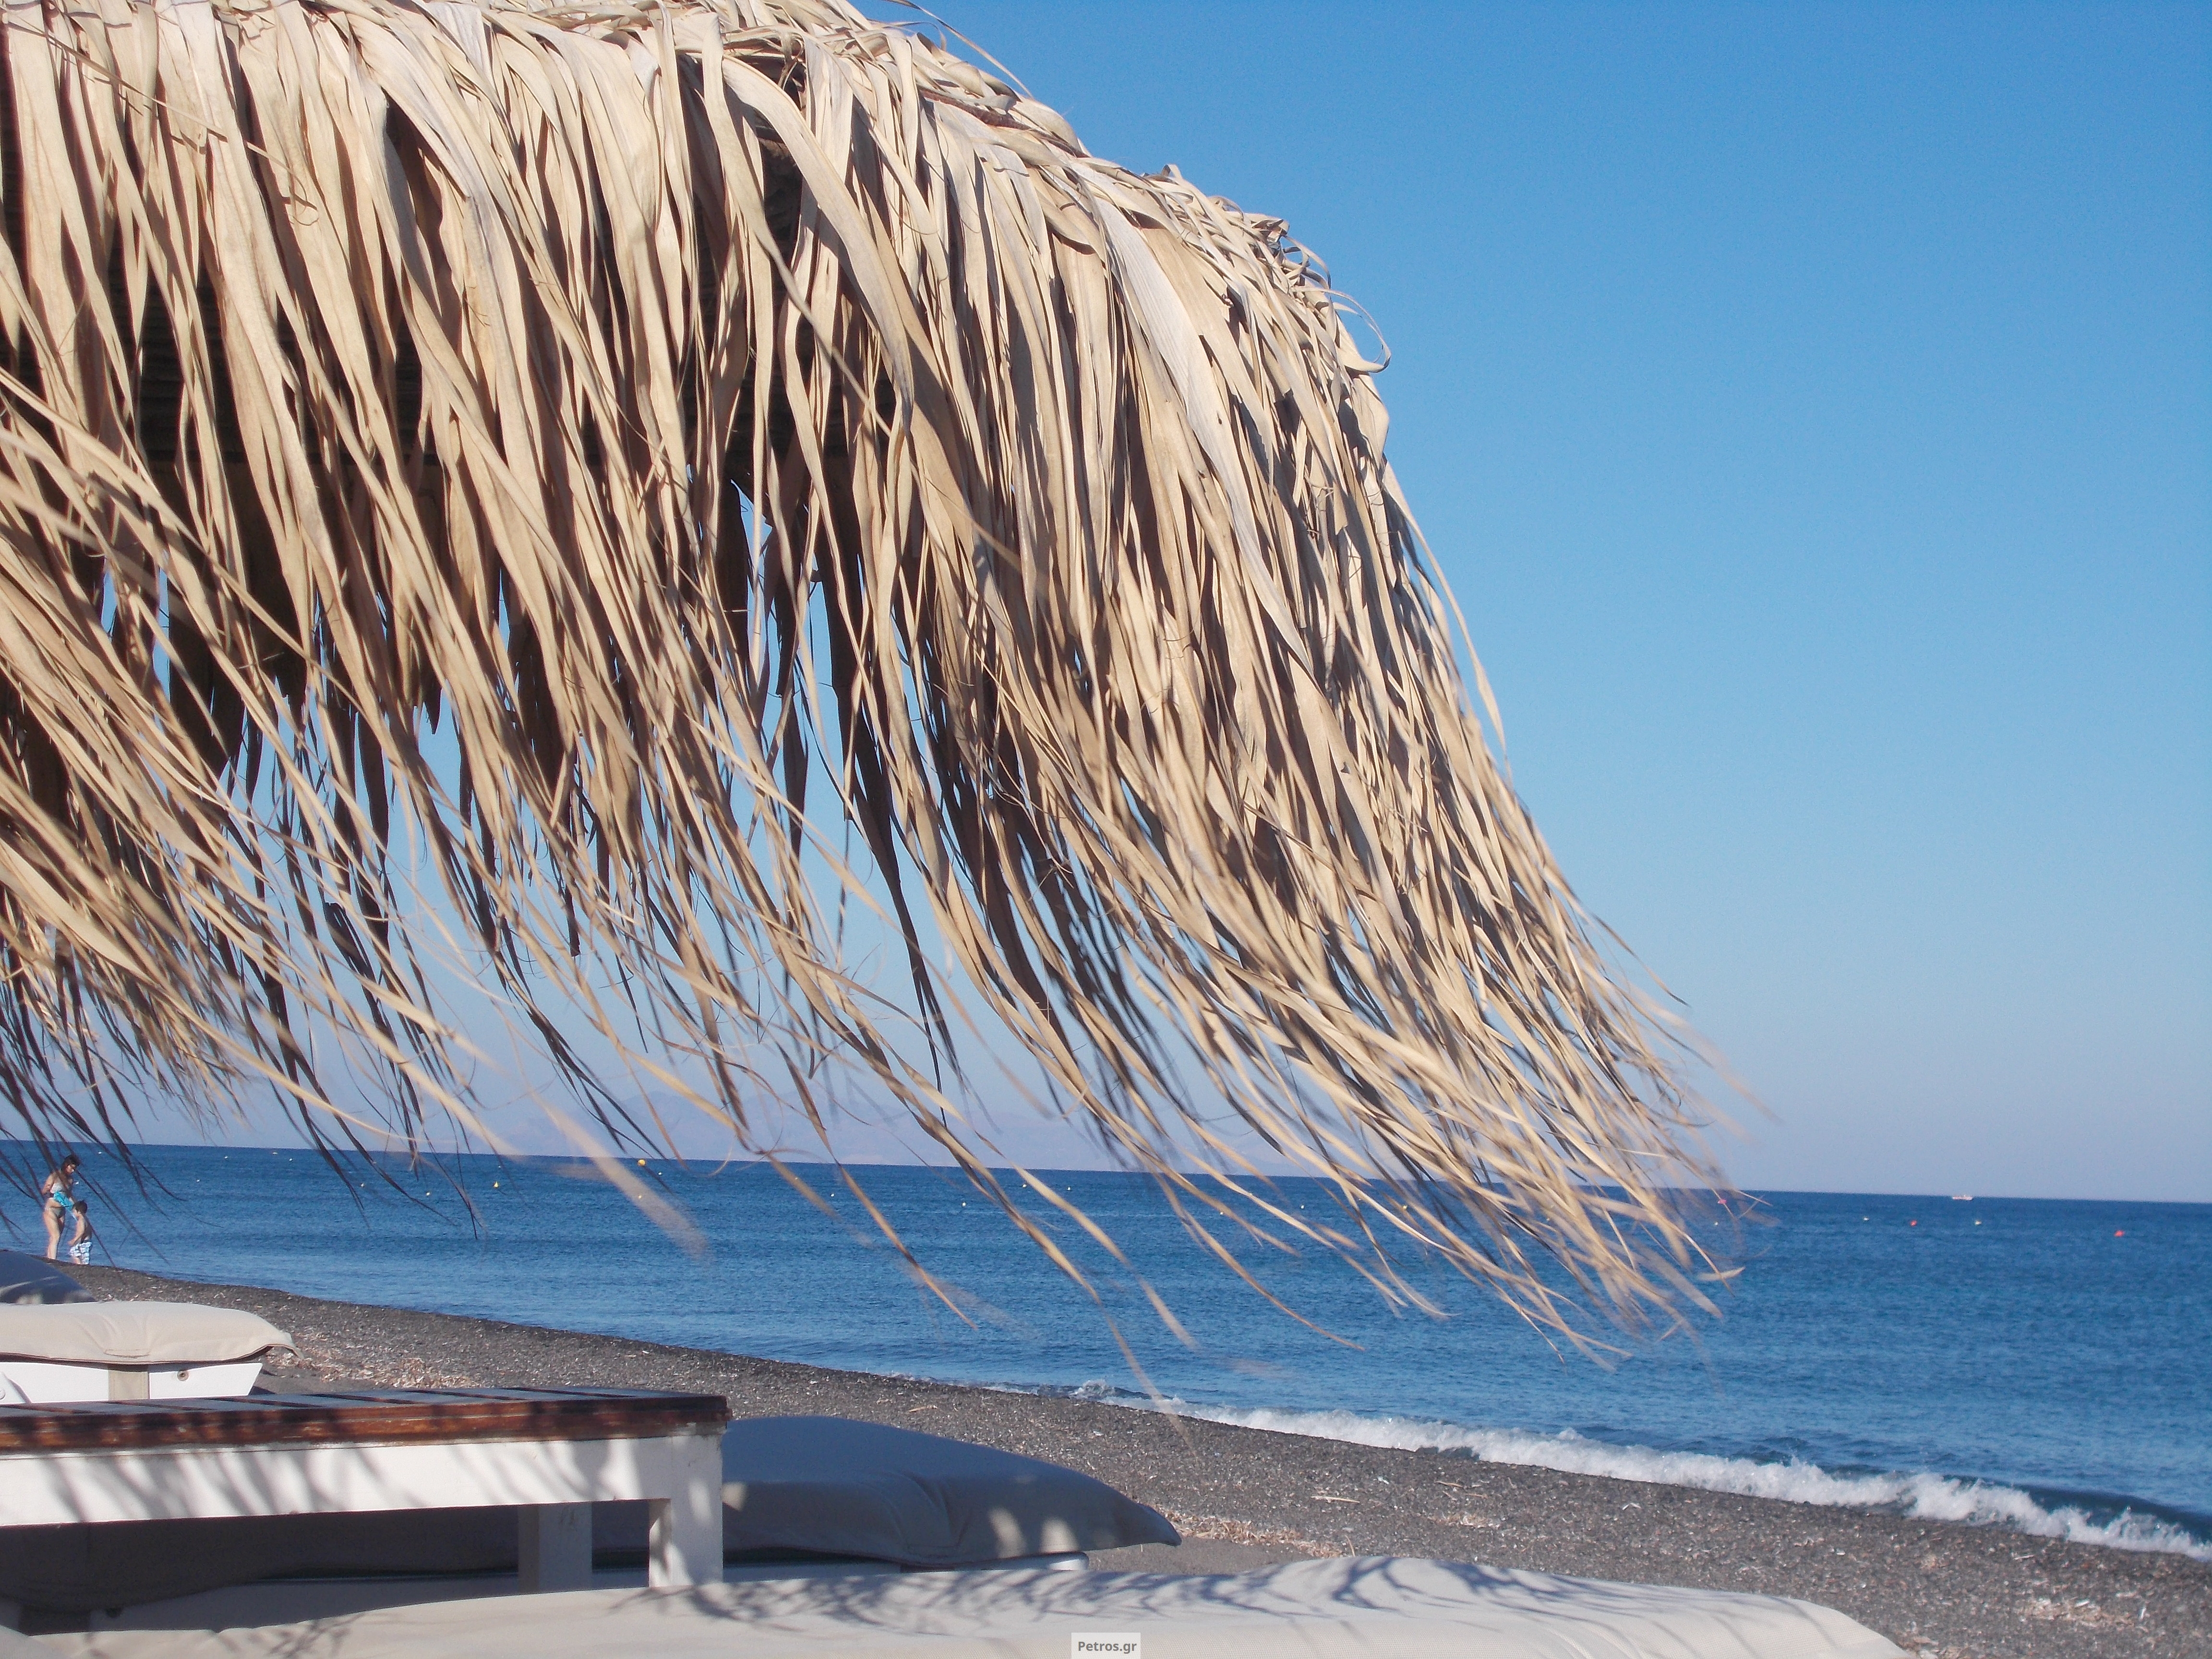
(1248, 1496)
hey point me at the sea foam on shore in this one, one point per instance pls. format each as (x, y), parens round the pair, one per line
(1921, 1495)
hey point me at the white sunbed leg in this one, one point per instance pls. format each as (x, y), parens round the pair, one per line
(685, 1544)
(554, 1547)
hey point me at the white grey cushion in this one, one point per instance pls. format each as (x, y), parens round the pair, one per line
(1371, 1608)
(31, 1280)
(828, 1485)
(135, 1333)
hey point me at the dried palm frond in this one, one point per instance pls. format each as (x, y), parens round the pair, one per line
(593, 453)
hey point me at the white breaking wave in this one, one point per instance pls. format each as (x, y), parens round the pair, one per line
(1924, 1497)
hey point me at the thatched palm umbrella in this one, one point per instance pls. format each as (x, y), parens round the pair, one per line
(579, 457)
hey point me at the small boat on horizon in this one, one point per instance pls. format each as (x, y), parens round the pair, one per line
(1962, 1198)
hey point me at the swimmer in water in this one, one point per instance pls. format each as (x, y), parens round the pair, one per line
(59, 1191)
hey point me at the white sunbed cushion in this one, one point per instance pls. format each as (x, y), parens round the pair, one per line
(829, 1486)
(32, 1280)
(135, 1333)
(1371, 1608)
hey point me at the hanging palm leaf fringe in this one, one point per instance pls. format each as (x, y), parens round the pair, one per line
(562, 477)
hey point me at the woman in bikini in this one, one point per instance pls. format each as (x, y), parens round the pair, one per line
(59, 1191)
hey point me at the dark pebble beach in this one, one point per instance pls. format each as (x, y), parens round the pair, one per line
(1244, 1497)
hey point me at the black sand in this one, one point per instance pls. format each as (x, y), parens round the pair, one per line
(1245, 1496)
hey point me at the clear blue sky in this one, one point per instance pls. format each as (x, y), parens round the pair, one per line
(1811, 407)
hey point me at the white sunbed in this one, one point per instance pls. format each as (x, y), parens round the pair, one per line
(800, 1495)
(71, 1352)
(541, 1458)
(1373, 1609)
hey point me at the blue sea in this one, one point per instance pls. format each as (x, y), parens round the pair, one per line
(2038, 1364)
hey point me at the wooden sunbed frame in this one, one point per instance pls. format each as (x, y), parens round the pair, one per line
(554, 1452)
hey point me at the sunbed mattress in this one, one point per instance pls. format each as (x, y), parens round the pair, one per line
(1372, 1608)
(135, 1333)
